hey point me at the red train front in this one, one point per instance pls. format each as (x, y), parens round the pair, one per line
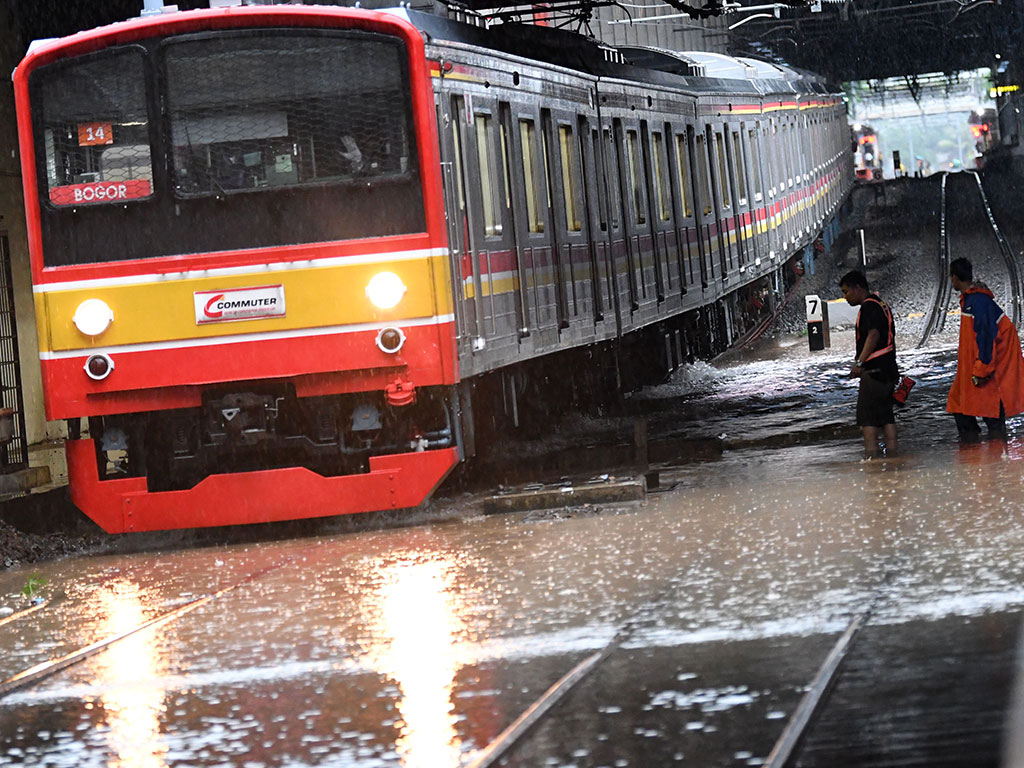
(239, 264)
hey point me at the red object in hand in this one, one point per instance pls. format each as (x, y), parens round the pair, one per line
(900, 395)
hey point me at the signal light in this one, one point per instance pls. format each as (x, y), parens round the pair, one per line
(390, 340)
(98, 367)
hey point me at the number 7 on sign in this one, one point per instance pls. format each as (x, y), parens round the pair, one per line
(813, 309)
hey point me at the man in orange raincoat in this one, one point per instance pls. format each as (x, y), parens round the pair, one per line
(990, 369)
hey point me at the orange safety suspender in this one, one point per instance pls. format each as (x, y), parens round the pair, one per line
(890, 342)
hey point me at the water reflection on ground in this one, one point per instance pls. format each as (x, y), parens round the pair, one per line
(417, 646)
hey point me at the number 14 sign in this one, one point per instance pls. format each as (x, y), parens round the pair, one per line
(91, 134)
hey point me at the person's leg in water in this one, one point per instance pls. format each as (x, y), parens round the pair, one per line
(892, 446)
(997, 426)
(870, 442)
(967, 428)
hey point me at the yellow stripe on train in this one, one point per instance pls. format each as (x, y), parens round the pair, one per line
(315, 297)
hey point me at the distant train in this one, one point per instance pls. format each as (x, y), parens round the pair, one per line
(867, 158)
(985, 132)
(289, 261)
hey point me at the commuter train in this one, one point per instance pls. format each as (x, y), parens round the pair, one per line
(294, 261)
(867, 158)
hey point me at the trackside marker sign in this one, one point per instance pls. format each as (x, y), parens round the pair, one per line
(239, 304)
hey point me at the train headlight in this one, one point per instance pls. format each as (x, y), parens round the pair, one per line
(385, 290)
(93, 317)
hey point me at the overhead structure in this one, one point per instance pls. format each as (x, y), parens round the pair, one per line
(876, 39)
(843, 40)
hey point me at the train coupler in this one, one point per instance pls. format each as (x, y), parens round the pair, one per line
(400, 392)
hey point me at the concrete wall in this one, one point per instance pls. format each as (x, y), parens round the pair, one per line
(12, 224)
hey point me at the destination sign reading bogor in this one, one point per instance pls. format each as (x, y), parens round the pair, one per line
(239, 304)
(101, 192)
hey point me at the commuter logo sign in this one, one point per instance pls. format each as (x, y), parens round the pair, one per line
(239, 304)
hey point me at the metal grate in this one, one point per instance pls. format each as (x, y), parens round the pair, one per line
(13, 452)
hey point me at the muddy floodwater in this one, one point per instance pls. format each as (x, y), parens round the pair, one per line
(416, 646)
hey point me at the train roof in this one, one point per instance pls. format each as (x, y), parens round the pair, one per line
(697, 70)
(584, 54)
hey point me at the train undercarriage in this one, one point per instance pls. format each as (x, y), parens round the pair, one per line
(264, 426)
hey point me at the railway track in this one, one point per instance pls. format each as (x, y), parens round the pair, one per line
(1006, 253)
(1006, 257)
(46, 669)
(943, 292)
(782, 755)
(887, 695)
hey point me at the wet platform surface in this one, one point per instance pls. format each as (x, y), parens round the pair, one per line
(414, 642)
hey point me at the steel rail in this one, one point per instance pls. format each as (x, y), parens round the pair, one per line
(510, 736)
(824, 680)
(943, 291)
(811, 703)
(24, 612)
(49, 668)
(1009, 259)
(532, 714)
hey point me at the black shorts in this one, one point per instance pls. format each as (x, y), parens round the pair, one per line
(874, 402)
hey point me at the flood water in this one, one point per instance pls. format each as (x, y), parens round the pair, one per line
(416, 646)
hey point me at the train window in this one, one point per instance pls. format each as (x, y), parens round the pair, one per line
(661, 179)
(545, 156)
(505, 164)
(599, 182)
(703, 175)
(488, 180)
(792, 169)
(95, 128)
(723, 170)
(786, 152)
(780, 158)
(458, 113)
(612, 175)
(755, 166)
(635, 171)
(264, 110)
(570, 177)
(528, 139)
(739, 170)
(683, 174)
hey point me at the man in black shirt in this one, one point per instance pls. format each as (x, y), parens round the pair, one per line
(874, 363)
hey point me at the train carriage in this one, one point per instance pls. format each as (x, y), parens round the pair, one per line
(287, 260)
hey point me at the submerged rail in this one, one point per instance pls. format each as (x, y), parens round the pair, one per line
(816, 694)
(1006, 252)
(23, 613)
(943, 291)
(49, 668)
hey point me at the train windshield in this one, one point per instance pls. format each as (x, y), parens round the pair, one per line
(223, 141)
(283, 110)
(96, 137)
